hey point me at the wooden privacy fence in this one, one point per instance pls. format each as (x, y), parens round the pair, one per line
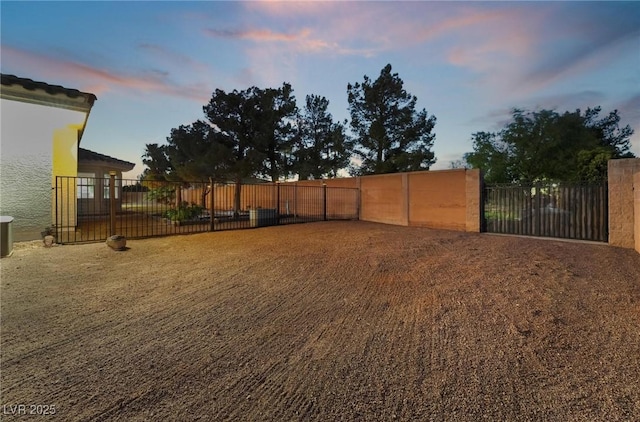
(92, 209)
(563, 210)
(290, 200)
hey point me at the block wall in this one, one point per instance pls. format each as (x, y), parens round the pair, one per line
(437, 200)
(636, 207)
(443, 199)
(621, 201)
(383, 199)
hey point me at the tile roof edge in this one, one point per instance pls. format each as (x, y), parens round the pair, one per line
(103, 157)
(31, 85)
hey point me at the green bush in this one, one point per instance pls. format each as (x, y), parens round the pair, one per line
(184, 212)
(163, 194)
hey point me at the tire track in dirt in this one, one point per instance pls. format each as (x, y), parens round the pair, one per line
(350, 321)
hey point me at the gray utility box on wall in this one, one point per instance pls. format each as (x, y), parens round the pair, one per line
(261, 217)
(6, 236)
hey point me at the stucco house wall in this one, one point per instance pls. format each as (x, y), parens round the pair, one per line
(30, 154)
(41, 127)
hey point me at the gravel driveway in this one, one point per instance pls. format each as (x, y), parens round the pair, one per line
(324, 321)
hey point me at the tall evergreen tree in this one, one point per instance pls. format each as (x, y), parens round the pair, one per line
(194, 154)
(239, 121)
(157, 162)
(322, 145)
(244, 134)
(278, 111)
(391, 136)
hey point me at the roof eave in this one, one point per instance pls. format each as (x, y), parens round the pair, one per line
(82, 102)
(111, 165)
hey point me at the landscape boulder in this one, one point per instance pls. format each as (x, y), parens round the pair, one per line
(117, 242)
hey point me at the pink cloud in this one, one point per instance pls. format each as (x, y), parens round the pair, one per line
(591, 39)
(98, 81)
(169, 57)
(293, 8)
(258, 35)
(328, 27)
(481, 37)
(381, 26)
(525, 50)
(301, 41)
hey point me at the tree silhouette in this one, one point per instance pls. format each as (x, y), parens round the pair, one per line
(322, 147)
(391, 136)
(546, 145)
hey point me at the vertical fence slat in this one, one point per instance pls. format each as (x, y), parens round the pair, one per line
(564, 210)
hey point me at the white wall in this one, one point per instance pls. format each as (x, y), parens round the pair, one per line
(26, 138)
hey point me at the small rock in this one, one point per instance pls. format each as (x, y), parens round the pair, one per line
(49, 241)
(117, 242)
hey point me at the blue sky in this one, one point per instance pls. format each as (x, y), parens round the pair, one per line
(153, 65)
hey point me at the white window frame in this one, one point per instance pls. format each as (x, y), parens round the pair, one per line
(86, 186)
(105, 186)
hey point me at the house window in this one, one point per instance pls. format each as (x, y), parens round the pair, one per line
(86, 186)
(106, 186)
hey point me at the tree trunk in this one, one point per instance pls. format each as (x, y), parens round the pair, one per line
(236, 200)
(205, 192)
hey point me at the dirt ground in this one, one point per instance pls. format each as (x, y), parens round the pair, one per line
(337, 321)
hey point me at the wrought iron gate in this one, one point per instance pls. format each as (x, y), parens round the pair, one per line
(92, 209)
(562, 210)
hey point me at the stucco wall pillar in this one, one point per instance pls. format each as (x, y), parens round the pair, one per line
(621, 201)
(473, 188)
(636, 207)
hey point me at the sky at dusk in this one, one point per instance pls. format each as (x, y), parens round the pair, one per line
(153, 65)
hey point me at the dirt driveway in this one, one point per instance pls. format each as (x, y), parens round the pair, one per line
(325, 321)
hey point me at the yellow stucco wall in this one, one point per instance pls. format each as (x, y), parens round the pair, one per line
(65, 151)
(65, 163)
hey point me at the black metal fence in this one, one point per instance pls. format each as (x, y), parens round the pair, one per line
(92, 209)
(573, 211)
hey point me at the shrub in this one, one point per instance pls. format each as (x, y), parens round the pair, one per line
(184, 212)
(162, 194)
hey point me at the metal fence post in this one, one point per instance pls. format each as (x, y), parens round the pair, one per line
(112, 202)
(277, 203)
(56, 226)
(211, 203)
